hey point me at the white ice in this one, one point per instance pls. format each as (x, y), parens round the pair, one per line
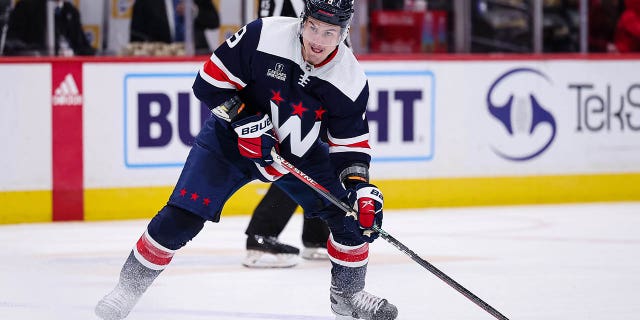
(574, 262)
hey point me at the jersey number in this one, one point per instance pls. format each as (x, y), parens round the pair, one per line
(235, 38)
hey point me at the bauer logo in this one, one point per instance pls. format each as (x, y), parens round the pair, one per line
(67, 93)
(161, 119)
(401, 115)
(517, 101)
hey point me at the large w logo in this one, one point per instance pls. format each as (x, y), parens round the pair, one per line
(292, 128)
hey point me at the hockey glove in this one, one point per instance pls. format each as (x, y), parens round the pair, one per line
(367, 201)
(256, 139)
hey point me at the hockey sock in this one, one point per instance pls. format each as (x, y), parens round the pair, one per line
(136, 277)
(349, 266)
(168, 231)
(145, 262)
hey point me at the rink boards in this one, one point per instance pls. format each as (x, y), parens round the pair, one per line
(105, 139)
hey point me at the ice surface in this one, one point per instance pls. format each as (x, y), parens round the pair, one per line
(529, 262)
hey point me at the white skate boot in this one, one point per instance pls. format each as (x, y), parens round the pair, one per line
(268, 252)
(361, 305)
(314, 251)
(117, 304)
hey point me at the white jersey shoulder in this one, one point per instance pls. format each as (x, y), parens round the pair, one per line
(346, 74)
(280, 37)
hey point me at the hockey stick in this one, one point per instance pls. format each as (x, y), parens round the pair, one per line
(386, 236)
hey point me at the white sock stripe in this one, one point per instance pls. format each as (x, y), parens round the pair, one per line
(155, 244)
(348, 256)
(146, 262)
(354, 264)
(342, 247)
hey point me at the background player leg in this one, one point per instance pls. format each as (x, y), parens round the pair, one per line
(269, 219)
(267, 222)
(314, 238)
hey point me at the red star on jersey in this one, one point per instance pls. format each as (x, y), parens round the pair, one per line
(206, 201)
(194, 196)
(183, 192)
(319, 113)
(298, 109)
(276, 97)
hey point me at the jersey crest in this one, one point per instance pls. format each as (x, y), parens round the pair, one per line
(292, 128)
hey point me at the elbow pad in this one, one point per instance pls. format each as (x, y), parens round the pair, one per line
(354, 174)
(229, 109)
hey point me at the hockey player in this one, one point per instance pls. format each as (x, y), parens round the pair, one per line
(279, 83)
(270, 217)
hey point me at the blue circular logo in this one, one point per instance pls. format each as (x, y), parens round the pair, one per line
(521, 114)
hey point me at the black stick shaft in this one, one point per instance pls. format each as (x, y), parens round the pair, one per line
(475, 299)
(386, 236)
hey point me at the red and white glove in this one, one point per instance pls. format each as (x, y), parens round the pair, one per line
(256, 139)
(367, 201)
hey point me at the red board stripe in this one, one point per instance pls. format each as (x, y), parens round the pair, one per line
(67, 158)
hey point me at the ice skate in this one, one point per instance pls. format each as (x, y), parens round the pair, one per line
(315, 251)
(117, 304)
(134, 280)
(361, 305)
(268, 252)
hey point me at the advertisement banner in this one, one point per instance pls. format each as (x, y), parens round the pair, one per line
(161, 119)
(401, 114)
(106, 139)
(556, 117)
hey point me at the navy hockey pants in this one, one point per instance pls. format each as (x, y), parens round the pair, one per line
(215, 170)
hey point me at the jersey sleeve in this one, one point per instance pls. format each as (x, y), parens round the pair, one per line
(228, 70)
(348, 132)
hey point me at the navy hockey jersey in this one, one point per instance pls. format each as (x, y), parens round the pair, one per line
(263, 64)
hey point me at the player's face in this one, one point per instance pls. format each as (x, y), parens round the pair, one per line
(319, 39)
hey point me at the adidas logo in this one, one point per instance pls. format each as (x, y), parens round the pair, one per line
(67, 93)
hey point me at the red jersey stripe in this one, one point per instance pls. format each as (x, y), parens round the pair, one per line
(216, 73)
(361, 144)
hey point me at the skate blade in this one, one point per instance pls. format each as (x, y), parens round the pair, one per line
(342, 317)
(315, 254)
(261, 259)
